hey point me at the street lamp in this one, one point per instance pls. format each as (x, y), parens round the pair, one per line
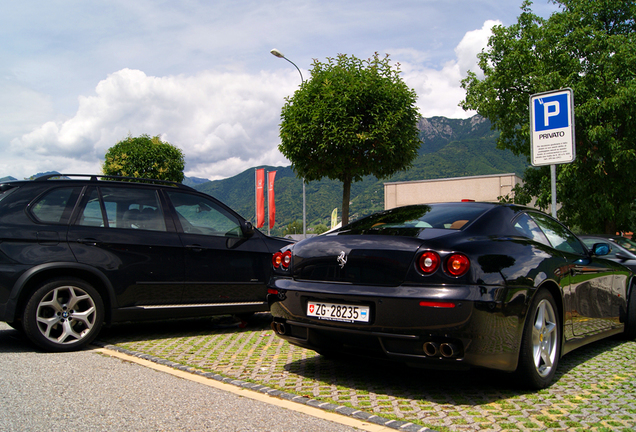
(279, 54)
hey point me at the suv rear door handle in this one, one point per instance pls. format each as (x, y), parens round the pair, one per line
(89, 241)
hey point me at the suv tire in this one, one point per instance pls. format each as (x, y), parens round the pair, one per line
(63, 315)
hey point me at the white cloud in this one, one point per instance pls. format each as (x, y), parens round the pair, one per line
(225, 122)
(439, 91)
(220, 120)
(472, 44)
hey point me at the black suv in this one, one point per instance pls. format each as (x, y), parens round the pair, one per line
(78, 251)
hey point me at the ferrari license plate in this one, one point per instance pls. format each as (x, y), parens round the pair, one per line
(338, 312)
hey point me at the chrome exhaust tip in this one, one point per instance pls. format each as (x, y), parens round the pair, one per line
(279, 328)
(448, 350)
(431, 349)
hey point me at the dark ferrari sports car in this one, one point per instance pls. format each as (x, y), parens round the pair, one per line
(452, 285)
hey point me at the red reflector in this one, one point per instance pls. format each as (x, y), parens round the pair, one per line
(436, 304)
(272, 291)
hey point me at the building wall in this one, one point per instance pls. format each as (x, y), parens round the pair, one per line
(478, 188)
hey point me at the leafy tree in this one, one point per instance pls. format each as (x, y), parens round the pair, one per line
(320, 228)
(353, 118)
(296, 227)
(145, 157)
(591, 48)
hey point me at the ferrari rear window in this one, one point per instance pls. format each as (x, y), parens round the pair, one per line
(410, 220)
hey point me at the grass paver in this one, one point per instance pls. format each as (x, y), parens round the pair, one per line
(594, 390)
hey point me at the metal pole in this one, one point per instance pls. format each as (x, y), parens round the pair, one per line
(279, 54)
(255, 200)
(554, 199)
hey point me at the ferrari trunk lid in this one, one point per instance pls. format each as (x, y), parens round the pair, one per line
(356, 259)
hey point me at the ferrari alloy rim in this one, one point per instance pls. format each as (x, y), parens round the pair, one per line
(66, 314)
(544, 338)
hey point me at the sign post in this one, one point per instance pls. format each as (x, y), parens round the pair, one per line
(552, 131)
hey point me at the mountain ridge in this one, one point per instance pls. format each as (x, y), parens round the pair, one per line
(450, 148)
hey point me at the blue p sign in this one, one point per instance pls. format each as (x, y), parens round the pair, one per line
(551, 112)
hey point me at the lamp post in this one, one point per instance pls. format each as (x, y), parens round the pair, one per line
(279, 54)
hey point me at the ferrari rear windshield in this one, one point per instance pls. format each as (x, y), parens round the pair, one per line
(410, 220)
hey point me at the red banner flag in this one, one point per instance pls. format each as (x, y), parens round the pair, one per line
(260, 198)
(271, 205)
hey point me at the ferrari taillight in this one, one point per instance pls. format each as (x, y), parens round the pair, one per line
(457, 265)
(429, 262)
(281, 260)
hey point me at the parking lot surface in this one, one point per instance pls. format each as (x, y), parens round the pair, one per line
(85, 391)
(594, 390)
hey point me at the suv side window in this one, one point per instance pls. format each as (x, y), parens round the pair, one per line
(199, 215)
(5, 190)
(123, 207)
(55, 205)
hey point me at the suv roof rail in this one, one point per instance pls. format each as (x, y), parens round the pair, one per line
(104, 177)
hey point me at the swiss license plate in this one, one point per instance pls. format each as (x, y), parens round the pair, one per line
(338, 312)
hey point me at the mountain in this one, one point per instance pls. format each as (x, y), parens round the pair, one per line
(193, 181)
(450, 148)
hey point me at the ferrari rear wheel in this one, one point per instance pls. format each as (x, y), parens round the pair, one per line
(541, 343)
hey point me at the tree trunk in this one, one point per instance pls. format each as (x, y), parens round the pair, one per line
(346, 195)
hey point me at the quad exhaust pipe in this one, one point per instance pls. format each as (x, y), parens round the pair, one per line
(448, 350)
(279, 328)
(444, 349)
(431, 349)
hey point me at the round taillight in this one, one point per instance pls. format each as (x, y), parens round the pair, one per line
(457, 265)
(281, 259)
(287, 256)
(429, 262)
(277, 259)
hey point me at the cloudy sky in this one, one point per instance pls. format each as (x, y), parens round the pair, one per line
(77, 76)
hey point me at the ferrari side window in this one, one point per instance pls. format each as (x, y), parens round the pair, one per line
(558, 235)
(528, 228)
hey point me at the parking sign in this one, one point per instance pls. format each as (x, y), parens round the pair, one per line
(552, 127)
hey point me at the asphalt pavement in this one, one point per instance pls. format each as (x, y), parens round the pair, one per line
(163, 380)
(91, 390)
